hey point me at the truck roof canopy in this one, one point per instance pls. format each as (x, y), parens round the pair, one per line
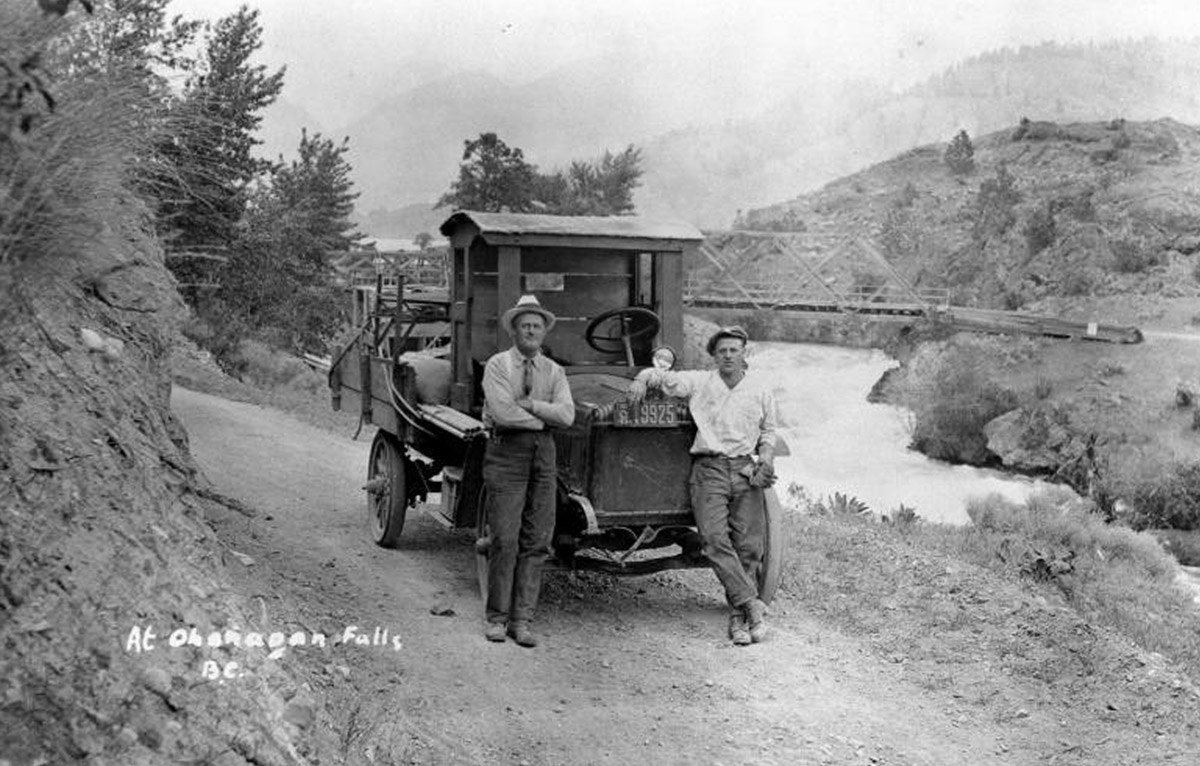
(580, 231)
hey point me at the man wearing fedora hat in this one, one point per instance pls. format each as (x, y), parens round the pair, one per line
(525, 394)
(733, 460)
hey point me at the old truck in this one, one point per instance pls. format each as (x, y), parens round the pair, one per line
(615, 284)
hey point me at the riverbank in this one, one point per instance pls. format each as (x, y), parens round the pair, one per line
(1117, 422)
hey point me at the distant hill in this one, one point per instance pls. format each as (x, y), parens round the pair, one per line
(407, 149)
(811, 138)
(403, 223)
(1051, 209)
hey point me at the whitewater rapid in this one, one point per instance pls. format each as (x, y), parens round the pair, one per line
(840, 443)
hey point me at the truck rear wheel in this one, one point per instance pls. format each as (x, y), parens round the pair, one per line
(772, 563)
(387, 489)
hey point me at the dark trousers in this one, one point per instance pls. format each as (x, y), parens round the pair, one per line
(731, 521)
(519, 473)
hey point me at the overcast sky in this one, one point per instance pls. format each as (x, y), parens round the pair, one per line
(341, 53)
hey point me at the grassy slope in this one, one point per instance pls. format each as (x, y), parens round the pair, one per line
(1119, 192)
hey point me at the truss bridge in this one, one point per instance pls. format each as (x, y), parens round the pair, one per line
(813, 274)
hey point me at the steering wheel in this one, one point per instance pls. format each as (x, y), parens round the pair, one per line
(632, 322)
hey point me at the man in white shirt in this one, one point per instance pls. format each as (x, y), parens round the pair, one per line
(525, 394)
(733, 460)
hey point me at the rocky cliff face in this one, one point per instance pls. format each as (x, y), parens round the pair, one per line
(103, 548)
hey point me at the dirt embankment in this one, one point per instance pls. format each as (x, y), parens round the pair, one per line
(102, 534)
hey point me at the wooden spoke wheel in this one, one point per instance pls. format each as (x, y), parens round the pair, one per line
(387, 489)
(772, 563)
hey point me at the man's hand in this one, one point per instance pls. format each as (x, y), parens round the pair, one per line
(637, 390)
(764, 475)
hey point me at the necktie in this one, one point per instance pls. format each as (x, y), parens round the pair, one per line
(528, 378)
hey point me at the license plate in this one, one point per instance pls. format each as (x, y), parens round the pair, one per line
(647, 415)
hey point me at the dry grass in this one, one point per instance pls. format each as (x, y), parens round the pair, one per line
(903, 582)
(67, 184)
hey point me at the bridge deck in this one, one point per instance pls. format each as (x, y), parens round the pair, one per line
(960, 318)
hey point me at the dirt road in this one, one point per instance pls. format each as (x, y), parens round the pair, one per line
(629, 671)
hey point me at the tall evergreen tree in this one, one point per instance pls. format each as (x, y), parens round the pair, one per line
(318, 187)
(135, 36)
(212, 164)
(278, 283)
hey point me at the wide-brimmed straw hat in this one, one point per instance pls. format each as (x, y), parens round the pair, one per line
(528, 304)
(733, 331)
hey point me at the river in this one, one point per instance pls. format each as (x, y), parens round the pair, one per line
(841, 443)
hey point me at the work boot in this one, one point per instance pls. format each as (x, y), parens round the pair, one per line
(737, 629)
(756, 612)
(522, 635)
(494, 631)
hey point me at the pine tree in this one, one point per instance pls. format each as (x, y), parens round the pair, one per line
(204, 191)
(960, 154)
(278, 284)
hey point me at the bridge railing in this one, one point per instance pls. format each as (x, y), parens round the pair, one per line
(778, 293)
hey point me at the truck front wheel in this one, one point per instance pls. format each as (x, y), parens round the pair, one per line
(772, 563)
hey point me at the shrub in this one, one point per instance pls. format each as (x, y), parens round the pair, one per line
(1036, 130)
(1057, 527)
(268, 368)
(903, 517)
(1130, 258)
(952, 398)
(1043, 387)
(906, 196)
(1079, 205)
(995, 205)
(1165, 499)
(840, 504)
(900, 235)
(1078, 280)
(1039, 230)
(1184, 546)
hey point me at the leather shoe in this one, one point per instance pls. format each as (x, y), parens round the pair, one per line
(737, 629)
(494, 631)
(756, 612)
(522, 635)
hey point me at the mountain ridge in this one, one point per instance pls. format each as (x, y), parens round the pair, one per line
(407, 149)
